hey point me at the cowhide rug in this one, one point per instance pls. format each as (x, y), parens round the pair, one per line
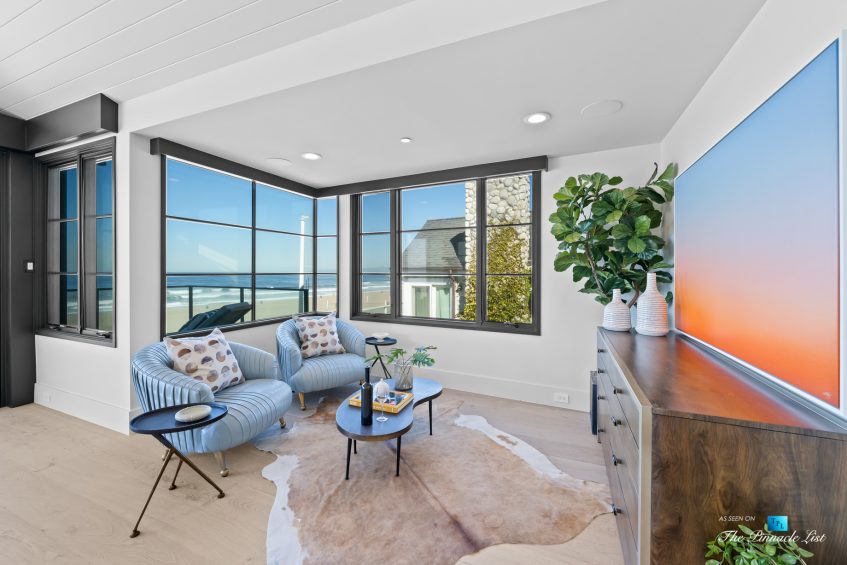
(465, 488)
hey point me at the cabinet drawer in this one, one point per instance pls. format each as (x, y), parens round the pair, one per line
(614, 423)
(626, 510)
(619, 389)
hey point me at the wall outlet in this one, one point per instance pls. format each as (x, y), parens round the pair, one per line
(561, 397)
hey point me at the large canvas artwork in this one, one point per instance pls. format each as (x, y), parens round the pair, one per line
(757, 232)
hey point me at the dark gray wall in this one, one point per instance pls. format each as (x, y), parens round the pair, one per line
(17, 336)
(12, 132)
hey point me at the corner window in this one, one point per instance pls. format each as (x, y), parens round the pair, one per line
(80, 242)
(242, 252)
(457, 254)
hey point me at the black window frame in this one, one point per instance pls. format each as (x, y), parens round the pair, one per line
(76, 156)
(220, 166)
(480, 323)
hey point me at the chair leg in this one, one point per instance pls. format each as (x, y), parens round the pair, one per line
(302, 397)
(221, 458)
(282, 422)
(165, 454)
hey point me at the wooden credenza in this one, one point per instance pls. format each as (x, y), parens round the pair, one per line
(695, 444)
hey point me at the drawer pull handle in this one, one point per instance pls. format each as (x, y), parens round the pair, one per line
(601, 430)
(616, 510)
(615, 421)
(616, 460)
(601, 350)
(601, 397)
(617, 390)
(601, 370)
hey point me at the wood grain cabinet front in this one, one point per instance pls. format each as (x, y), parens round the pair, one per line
(692, 441)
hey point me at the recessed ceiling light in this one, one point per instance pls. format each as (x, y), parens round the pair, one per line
(602, 108)
(279, 162)
(537, 118)
(405, 140)
(312, 156)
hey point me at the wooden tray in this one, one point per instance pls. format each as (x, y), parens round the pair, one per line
(403, 399)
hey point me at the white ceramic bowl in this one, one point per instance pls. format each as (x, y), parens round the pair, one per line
(193, 413)
(380, 336)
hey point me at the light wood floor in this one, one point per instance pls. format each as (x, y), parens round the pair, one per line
(70, 491)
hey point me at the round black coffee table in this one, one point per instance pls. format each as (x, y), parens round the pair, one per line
(162, 421)
(348, 419)
(376, 343)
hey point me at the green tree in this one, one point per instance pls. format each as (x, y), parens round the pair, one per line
(509, 297)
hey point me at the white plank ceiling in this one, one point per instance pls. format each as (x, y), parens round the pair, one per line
(54, 52)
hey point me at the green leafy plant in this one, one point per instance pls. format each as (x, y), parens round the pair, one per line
(420, 357)
(754, 548)
(606, 234)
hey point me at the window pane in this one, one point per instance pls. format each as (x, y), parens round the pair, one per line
(327, 255)
(436, 251)
(439, 297)
(63, 300)
(62, 247)
(508, 250)
(509, 299)
(187, 296)
(376, 253)
(282, 295)
(327, 293)
(328, 216)
(203, 194)
(376, 294)
(283, 211)
(103, 183)
(443, 206)
(105, 303)
(62, 194)
(283, 253)
(376, 212)
(103, 241)
(508, 200)
(205, 248)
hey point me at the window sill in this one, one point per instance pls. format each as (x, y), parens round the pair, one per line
(73, 336)
(243, 325)
(433, 323)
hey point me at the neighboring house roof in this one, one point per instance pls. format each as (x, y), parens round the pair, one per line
(437, 250)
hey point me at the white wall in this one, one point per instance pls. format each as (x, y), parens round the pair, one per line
(782, 38)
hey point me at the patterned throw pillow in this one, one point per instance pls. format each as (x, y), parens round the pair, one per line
(318, 336)
(208, 359)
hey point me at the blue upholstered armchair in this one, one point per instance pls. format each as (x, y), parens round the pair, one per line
(325, 371)
(253, 405)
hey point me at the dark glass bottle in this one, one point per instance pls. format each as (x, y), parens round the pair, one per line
(367, 399)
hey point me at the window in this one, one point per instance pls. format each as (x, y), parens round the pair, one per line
(458, 254)
(258, 251)
(80, 242)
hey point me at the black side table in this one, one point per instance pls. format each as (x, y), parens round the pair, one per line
(376, 343)
(162, 421)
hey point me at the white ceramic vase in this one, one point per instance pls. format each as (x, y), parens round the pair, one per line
(616, 314)
(651, 310)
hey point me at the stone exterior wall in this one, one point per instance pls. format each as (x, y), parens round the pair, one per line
(508, 202)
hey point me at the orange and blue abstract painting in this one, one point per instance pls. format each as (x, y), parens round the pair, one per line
(757, 236)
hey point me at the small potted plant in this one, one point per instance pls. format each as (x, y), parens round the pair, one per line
(403, 363)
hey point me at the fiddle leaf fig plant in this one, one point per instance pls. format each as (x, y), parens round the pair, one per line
(606, 234)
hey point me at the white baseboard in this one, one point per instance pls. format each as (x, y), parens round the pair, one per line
(508, 388)
(83, 407)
